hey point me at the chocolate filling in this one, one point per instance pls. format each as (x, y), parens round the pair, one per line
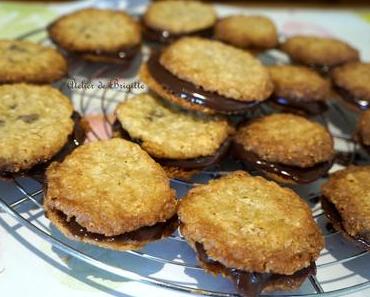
(187, 91)
(143, 234)
(297, 174)
(194, 163)
(362, 104)
(311, 108)
(332, 213)
(251, 284)
(165, 36)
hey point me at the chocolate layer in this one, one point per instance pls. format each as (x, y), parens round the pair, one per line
(332, 213)
(251, 284)
(359, 103)
(187, 91)
(194, 163)
(297, 174)
(143, 234)
(310, 108)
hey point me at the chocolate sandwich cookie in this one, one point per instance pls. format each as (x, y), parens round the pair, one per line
(299, 89)
(352, 83)
(346, 202)
(37, 125)
(182, 142)
(166, 21)
(256, 33)
(98, 35)
(207, 76)
(285, 147)
(25, 61)
(363, 130)
(110, 194)
(258, 234)
(319, 52)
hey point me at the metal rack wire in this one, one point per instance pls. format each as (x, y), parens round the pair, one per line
(103, 102)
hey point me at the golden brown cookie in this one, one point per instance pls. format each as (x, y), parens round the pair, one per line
(98, 35)
(207, 76)
(251, 32)
(35, 124)
(166, 21)
(346, 202)
(364, 129)
(111, 194)
(319, 52)
(352, 83)
(299, 89)
(240, 224)
(25, 61)
(287, 146)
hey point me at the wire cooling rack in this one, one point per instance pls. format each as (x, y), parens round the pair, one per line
(341, 269)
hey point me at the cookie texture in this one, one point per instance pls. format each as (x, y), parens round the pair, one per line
(364, 128)
(251, 224)
(168, 132)
(110, 187)
(96, 31)
(349, 191)
(287, 139)
(298, 83)
(25, 61)
(216, 67)
(35, 122)
(354, 79)
(179, 17)
(319, 51)
(254, 31)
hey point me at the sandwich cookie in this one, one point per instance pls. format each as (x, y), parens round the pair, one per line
(319, 52)
(25, 61)
(258, 234)
(256, 33)
(37, 125)
(207, 76)
(110, 194)
(346, 202)
(285, 147)
(299, 89)
(363, 130)
(352, 83)
(182, 142)
(166, 21)
(98, 35)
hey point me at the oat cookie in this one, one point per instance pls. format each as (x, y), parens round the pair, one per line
(319, 51)
(252, 32)
(240, 224)
(346, 201)
(286, 145)
(112, 190)
(35, 122)
(98, 35)
(25, 61)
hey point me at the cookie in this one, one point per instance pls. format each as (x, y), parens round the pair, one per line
(363, 131)
(35, 124)
(257, 33)
(285, 147)
(251, 230)
(207, 76)
(98, 35)
(346, 202)
(174, 137)
(166, 21)
(299, 89)
(111, 194)
(25, 61)
(319, 52)
(352, 83)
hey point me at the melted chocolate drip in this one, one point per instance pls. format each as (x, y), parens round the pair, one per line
(332, 213)
(193, 94)
(250, 284)
(194, 163)
(362, 104)
(310, 108)
(297, 174)
(147, 233)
